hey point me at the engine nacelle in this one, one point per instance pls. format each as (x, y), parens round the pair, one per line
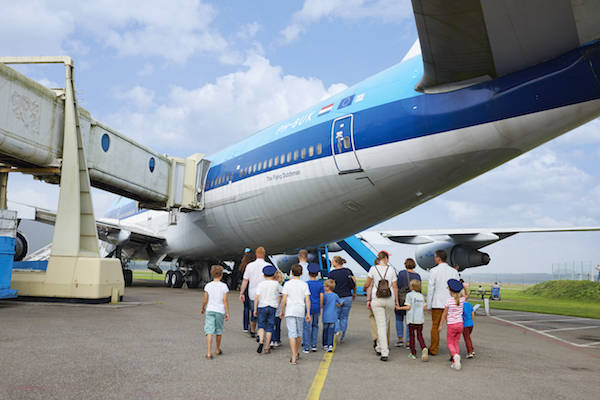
(21, 247)
(458, 254)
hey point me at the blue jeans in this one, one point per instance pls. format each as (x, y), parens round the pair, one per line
(277, 330)
(343, 312)
(328, 332)
(400, 317)
(310, 332)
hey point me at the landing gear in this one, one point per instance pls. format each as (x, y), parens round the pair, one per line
(128, 277)
(193, 279)
(168, 278)
(177, 279)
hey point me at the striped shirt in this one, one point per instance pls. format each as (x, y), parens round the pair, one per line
(455, 312)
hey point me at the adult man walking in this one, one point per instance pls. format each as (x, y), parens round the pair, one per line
(253, 275)
(437, 295)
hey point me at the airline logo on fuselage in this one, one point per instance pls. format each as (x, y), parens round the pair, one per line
(297, 122)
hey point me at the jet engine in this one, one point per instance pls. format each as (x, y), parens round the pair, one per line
(458, 254)
(21, 247)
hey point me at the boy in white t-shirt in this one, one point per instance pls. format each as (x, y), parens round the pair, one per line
(266, 303)
(415, 318)
(216, 306)
(296, 304)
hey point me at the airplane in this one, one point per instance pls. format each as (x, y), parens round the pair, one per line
(478, 88)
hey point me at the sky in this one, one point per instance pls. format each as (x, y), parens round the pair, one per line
(189, 76)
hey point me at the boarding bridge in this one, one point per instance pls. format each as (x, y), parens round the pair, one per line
(43, 132)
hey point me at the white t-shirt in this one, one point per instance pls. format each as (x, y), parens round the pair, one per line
(254, 274)
(216, 292)
(390, 275)
(296, 291)
(416, 301)
(305, 277)
(437, 290)
(268, 293)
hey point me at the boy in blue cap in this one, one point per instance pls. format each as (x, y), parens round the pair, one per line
(453, 312)
(311, 329)
(265, 305)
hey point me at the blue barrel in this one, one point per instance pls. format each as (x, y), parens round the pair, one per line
(7, 252)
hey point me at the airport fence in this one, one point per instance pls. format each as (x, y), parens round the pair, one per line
(575, 271)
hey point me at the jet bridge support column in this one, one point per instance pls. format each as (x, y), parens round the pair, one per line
(75, 269)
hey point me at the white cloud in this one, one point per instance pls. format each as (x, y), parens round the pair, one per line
(314, 10)
(235, 105)
(173, 30)
(138, 96)
(249, 30)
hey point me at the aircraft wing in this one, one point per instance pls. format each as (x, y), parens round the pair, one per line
(476, 238)
(472, 40)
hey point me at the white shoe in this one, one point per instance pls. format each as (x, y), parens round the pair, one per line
(325, 348)
(305, 351)
(330, 349)
(425, 355)
(457, 365)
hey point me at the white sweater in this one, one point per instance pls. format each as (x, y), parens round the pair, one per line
(437, 290)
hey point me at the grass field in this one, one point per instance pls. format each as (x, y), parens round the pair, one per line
(147, 275)
(538, 299)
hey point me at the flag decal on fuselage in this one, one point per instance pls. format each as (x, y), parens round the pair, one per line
(326, 109)
(346, 102)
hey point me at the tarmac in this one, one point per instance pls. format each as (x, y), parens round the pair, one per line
(152, 346)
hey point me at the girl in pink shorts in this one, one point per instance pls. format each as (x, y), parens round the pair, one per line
(453, 316)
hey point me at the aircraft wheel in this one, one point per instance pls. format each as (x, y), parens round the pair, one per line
(128, 277)
(168, 278)
(177, 279)
(193, 280)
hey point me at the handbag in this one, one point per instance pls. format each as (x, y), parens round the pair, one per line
(383, 287)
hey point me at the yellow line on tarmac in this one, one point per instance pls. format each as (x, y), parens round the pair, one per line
(314, 393)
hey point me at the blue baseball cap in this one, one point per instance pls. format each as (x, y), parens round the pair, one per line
(269, 270)
(455, 285)
(314, 268)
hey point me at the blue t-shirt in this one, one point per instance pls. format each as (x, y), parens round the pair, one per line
(316, 288)
(404, 278)
(343, 281)
(329, 307)
(467, 314)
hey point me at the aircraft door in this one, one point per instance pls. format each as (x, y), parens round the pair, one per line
(342, 144)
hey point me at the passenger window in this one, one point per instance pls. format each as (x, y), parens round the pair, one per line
(319, 148)
(289, 157)
(311, 151)
(276, 161)
(254, 168)
(295, 155)
(259, 166)
(270, 162)
(347, 142)
(265, 164)
(282, 159)
(303, 153)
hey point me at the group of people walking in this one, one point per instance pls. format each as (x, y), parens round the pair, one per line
(303, 300)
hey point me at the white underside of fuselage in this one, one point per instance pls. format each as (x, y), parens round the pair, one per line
(311, 203)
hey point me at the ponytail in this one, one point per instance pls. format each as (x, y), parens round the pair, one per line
(456, 296)
(339, 260)
(382, 255)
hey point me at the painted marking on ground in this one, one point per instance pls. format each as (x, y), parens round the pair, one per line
(593, 344)
(531, 321)
(571, 329)
(314, 393)
(543, 333)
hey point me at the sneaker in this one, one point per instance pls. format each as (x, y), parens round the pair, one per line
(305, 351)
(330, 349)
(260, 348)
(276, 344)
(452, 365)
(399, 343)
(257, 339)
(407, 346)
(314, 349)
(245, 330)
(425, 354)
(383, 358)
(412, 357)
(457, 365)
(470, 355)
(325, 348)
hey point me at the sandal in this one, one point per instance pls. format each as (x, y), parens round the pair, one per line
(219, 353)
(267, 351)
(293, 362)
(208, 357)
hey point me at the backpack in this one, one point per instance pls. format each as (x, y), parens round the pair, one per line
(383, 287)
(402, 292)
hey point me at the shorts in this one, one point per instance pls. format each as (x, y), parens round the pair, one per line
(252, 317)
(294, 326)
(213, 325)
(266, 318)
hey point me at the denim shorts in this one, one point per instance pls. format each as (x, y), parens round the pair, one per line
(213, 325)
(266, 318)
(252, 317)
(294, 326)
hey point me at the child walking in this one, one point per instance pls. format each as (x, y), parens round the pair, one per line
(296, 305)
(216, 307)
(266, 303)
(276, 339)
(468, 316)
(330, 302)
(311, 329)
(415, 318)
(453, 312)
